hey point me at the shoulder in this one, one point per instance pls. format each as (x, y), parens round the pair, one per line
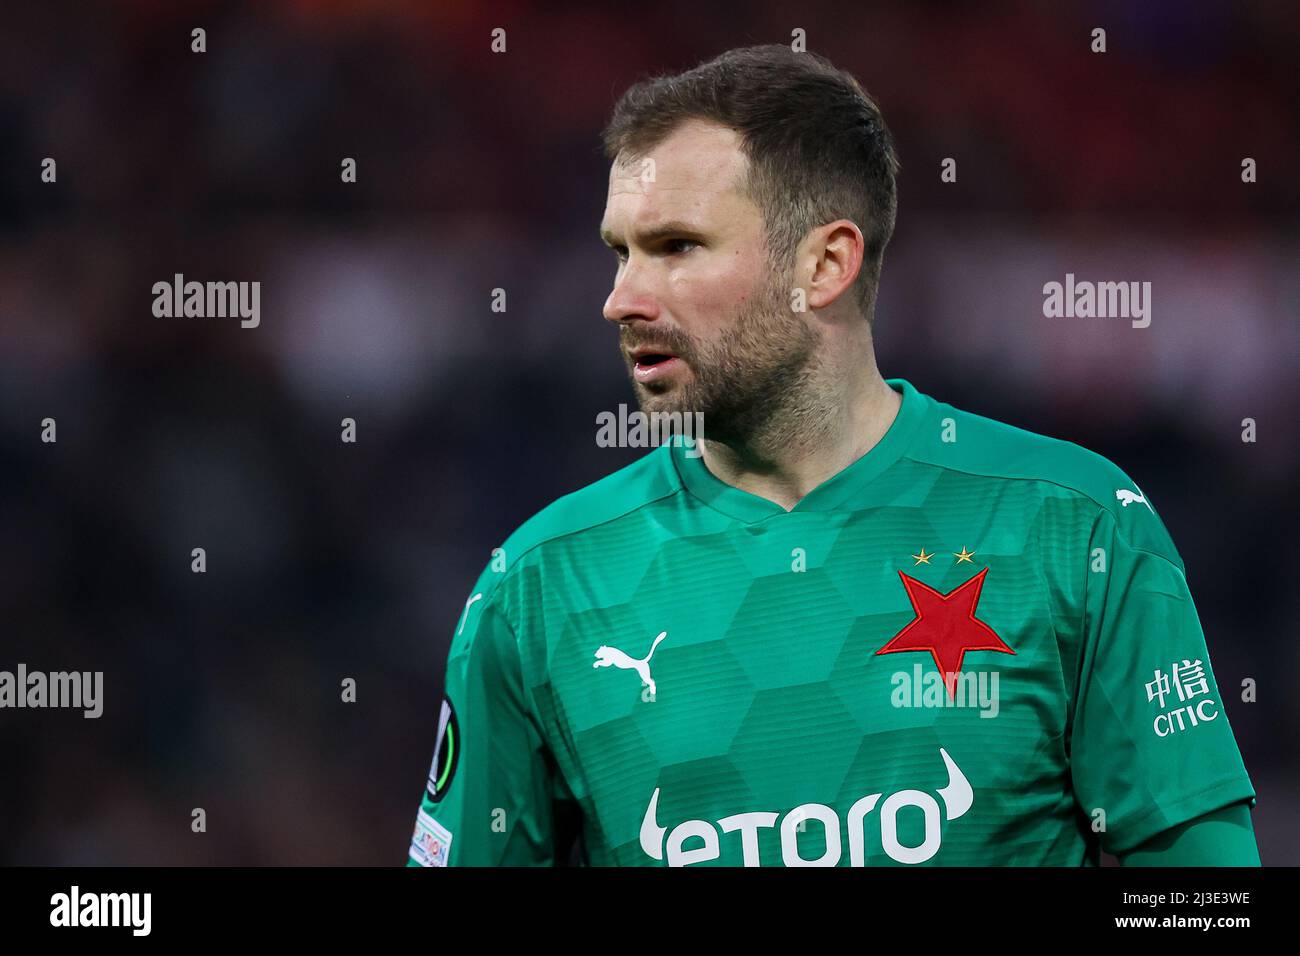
(970, 444)
(501, 586)
(986, 447)
(650, 478)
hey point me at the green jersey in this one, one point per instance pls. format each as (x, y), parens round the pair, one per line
(972, 646)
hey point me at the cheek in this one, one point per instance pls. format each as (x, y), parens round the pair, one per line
(718, 289)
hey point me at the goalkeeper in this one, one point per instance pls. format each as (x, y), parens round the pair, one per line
(856, 626)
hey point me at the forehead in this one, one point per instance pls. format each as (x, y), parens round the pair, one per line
(695, 169)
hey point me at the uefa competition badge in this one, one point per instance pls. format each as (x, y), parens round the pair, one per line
(445, 754)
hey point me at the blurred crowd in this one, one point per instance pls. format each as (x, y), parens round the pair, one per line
(477, 171)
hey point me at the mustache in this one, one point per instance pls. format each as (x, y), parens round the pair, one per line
(668, 340)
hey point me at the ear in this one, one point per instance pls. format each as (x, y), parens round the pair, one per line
(834, 252)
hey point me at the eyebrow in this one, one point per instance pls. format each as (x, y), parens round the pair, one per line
(671, 227)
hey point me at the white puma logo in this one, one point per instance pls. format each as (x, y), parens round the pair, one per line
(607, 656)
(1126, 498)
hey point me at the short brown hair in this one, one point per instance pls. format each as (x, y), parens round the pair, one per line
(817, 145)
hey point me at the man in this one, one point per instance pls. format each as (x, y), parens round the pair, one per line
(858, 626)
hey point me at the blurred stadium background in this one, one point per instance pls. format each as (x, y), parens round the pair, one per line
(479, 171)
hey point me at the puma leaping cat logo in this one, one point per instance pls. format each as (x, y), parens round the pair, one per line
(607, 656)
(1126, 498)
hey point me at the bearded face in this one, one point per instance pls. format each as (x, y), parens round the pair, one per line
(704, 314)
(753, 367)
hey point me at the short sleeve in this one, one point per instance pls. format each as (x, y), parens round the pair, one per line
(1150, 743)
(489, 800)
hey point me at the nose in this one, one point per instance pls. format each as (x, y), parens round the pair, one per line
(630, 298)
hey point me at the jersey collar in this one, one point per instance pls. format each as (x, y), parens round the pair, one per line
(832, 492)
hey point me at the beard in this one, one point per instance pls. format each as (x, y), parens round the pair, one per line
(754, 385)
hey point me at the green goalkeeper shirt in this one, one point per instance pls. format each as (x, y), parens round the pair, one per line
(973, 646)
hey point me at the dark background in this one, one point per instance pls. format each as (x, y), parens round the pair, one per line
(477, 171)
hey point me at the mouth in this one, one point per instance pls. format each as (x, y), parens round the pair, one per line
(651, 365)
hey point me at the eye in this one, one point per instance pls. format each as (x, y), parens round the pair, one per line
(678, 246)
(620, 252)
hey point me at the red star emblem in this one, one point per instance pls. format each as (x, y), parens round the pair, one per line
(946, 626)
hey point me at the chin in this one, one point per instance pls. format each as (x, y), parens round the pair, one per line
(658, 395)
(661, 400)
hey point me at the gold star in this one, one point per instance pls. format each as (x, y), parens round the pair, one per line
(964, 556)
(923, 558)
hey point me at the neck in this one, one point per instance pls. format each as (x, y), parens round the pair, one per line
(835, 426)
